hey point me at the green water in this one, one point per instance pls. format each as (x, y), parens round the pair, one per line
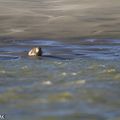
(75, 81)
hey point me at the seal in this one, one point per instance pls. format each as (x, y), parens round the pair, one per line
(36, 51)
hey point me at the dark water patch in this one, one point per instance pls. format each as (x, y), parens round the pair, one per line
(94, 48)
(94, 41)
(8, 57)
(58, 57)
(39, 42)
(12, 49)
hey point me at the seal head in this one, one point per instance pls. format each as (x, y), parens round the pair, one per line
(36, 51)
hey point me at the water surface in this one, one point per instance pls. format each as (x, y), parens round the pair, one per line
(59, 19)
(77, 80)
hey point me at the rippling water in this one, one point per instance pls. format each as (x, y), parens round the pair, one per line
(59, 19)
(77, 80)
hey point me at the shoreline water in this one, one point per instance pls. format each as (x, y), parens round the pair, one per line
(59, 20)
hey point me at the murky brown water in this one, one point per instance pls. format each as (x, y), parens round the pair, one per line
(78, 76)
(59, 19)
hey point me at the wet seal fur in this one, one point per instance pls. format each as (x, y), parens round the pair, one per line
(36, 51)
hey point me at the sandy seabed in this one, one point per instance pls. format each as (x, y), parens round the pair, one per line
(59, 19)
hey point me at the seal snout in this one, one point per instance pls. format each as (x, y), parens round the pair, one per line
(36, 51)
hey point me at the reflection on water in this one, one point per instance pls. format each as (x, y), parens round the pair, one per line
(73, 81)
